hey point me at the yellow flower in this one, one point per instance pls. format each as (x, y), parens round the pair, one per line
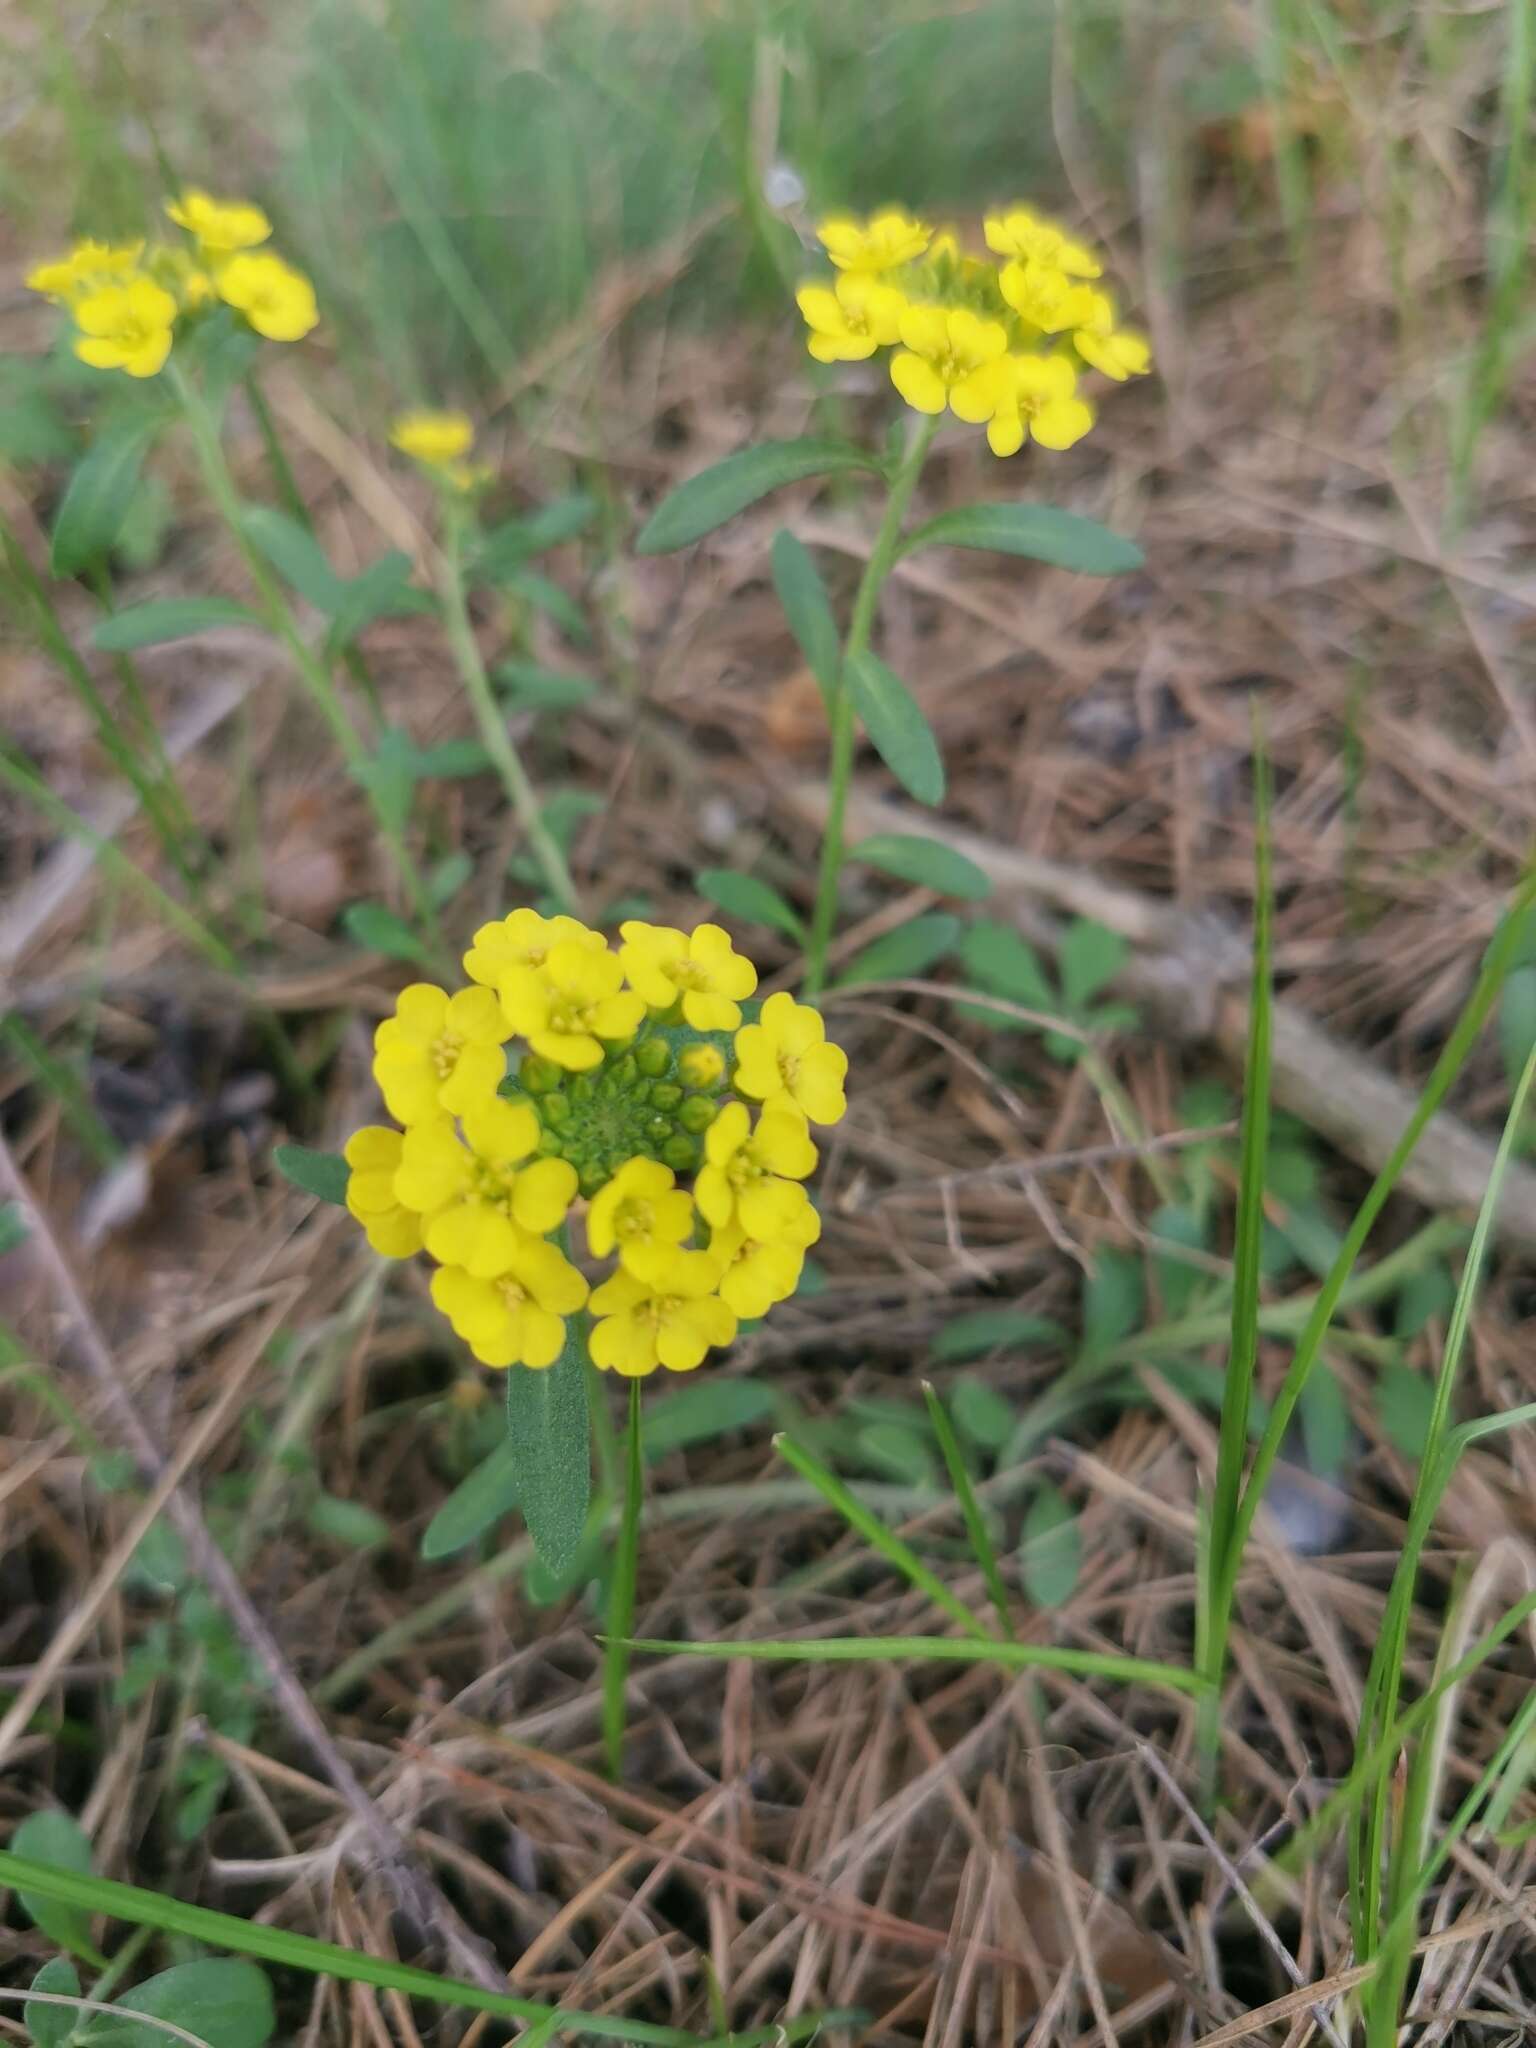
(1034, 396)
(945, 353)
(481, 1200)
(886, 239)
(1020, 233)
(87, 265)
(758, 1273)
(373, 1154)
(569, 1004)
(642, 1214)
(700, 967)
(1118, 352)
(700, 1066)
(784, 1061)
(849, 322)
(522, 939)
(125, 327)
(516, 1317)
(671, 1321)
(1044, 296)
(221, 225)
(278, 301)
(440, 1052)
(433, 438)
(749, 1175)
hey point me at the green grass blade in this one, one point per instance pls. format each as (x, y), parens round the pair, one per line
(970, 1507)
(944, 1650)
(877, 1536)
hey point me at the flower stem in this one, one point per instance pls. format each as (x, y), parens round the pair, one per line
(284, 627)
(621, 1597)
(882, 557)
(489, 718)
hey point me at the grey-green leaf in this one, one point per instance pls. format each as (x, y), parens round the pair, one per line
(381, 931)
(1114, 1299)
(544, 689)
(911, 949)
(982, 1414)
(898, 731)
(1050, 1549)
(167, 618)
(54, 1837)
(318, 1173)
(990, 1329)
(927, 862)
(1091, 955)
(218, 1998)
(1405, 1402)
(98, 496)
(718, 494)
(297, 557)
(751, 901)
(349, 1522)
(475, 1504)
(702, 1411)
(548, 1429)
(1044, 534)
(807, 608)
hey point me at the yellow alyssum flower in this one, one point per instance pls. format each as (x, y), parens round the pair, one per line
(221, 226)
(700, 1066)
(1035, 396)
(756, 1273)
(569, 1004)
(749, 1174)
(671, 1320)
(516, 1318)
(373, 1153)
(125, 327)
(1120, 352)
(276, 299)
(522, 939)
(434, 439)
(784, 1061)
(484, 1194)
(885, 240)
(850, 321)
(643, 1215)
(1022, 234)
(439, 1052)
(1045, 297)
(701, 967)
(87, 265)
(945, 353)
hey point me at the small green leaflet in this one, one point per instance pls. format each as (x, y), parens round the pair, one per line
(911, 949)
(718, 494)
(167, 618)
(897, 729)
(98, 497)
(992, 1329)
(475, 1504)
(296, 555)
(544, 689)
(216, 1998)
(381, 931)
(1050, 1549)
(548, 1431)
(51, 2025)
(807, 609)
(56, 1838)
(927, 862)
(982, 1414)
(347, 1522)
(752, 902)
(1041, 532)
(318, 1173)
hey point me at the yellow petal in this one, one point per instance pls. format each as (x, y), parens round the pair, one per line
(918, 382)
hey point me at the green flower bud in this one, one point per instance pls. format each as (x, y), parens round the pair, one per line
(624, 1070)
(653, 1056)
(665, 1095)
(697, 1114)
(680, 1153)
(701, 1066)
(539, 1076)
(555, 1109)
(591, 1177)
(582, 1088)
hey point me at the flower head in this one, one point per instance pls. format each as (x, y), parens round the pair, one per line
(1119, 352)
(373, 1154)
(750, 1173)
(1044, 296)
(125, 327)
(516, 1317)
(671, 1319)
(1033, 397)
(221, 226)
(880, 243)
(87, 266)
(944, 357)
(433, 439)
(483, 1194)
(757, 1272)
(859, 314)
(439, 1053)
(278, 300)
(642, 1215)
(700, 969)
(522, 939)
(1022, 234)
(569, 1004)
(784, 1061)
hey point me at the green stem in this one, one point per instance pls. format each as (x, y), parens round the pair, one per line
(882, 558)
(489, 718)
(284, 627)
(621, 1598)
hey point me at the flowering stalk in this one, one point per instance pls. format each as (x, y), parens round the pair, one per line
(488, 715)
(840, 769)
(621, 1598)
(284, 627)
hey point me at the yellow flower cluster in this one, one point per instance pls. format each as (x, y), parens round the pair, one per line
(126, 300)
(440, 442)
(1001, 343)
(645, 1090)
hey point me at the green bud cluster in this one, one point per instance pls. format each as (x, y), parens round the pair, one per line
(637, 1104)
